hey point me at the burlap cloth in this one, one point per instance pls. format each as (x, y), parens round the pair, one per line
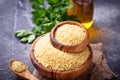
(99, 69)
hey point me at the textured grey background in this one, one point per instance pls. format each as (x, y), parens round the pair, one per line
(15, 15)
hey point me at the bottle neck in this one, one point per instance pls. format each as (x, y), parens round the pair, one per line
(80, 2)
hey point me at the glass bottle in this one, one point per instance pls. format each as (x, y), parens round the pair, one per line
(83, 9)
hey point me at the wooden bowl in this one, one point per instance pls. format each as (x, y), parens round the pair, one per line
(69, 48)
(59, 75)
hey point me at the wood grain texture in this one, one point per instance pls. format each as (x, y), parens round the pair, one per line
(98, 70)
(69, 48)
(25, 74)
(59, 75)
(15, 15)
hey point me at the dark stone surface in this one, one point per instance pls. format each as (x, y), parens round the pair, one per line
(15, 15)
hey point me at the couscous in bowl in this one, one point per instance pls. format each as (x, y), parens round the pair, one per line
(56, 64)
(74, 44)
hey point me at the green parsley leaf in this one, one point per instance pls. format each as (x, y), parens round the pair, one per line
(45, 17)
(41, 2)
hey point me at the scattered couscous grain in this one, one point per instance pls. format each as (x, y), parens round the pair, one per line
(69, 34)
(17, 66)
(56, 59)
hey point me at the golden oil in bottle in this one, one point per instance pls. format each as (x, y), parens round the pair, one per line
(83, 9)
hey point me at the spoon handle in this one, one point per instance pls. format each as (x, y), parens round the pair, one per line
(32, 77)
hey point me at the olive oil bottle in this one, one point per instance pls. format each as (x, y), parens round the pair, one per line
(83, 9)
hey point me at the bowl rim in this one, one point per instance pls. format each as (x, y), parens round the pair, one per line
(38, 65)
(69, 48)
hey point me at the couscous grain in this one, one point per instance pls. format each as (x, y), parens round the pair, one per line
(70, 34)
(56, 59)
(17, 66)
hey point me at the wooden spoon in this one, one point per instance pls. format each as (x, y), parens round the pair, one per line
(25, 74)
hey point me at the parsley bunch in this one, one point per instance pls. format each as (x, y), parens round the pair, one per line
(45, 17)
